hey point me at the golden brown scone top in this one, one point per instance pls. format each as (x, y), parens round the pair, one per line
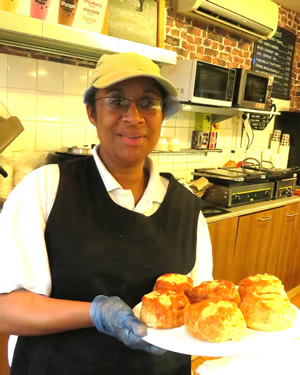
(174, 281)
(163, 309)
(215, 289)
(260, 283)
(268, 311)
(215, 321)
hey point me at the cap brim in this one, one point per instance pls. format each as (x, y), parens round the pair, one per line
(119, 76)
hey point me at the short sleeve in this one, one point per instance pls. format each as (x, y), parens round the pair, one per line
(23, 254)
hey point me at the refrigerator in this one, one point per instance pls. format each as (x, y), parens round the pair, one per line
(289, 122)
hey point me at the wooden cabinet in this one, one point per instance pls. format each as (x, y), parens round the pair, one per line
(4, 368)
(223, 236)
(258, 243)
(289, 260)
(267, 241)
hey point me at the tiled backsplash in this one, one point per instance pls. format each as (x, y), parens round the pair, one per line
(47, 98)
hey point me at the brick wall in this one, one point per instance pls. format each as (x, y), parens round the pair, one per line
(195, 40)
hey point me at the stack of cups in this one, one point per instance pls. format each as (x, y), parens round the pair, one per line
(275, 141)
(284, 150)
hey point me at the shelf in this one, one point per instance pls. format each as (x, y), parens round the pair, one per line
(260, 112)
(222, 113)
(188, 151)
(17, 30)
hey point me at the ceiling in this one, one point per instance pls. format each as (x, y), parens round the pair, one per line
(290, 4)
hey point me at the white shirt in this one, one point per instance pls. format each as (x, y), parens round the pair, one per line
(23, 254)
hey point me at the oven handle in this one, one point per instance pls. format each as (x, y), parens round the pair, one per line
(266, 218)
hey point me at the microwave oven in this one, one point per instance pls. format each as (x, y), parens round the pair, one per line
(201, 83)
(252, 89)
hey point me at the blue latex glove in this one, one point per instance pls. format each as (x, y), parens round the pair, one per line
(114, 317)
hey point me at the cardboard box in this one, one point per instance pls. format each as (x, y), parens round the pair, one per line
(203, 122)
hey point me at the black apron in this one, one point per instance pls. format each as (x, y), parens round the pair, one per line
(97, 247)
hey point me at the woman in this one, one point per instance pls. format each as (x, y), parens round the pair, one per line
(100, 231)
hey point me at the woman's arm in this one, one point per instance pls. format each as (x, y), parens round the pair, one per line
(27, 313)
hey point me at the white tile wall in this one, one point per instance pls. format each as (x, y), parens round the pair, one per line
(21, 72)
(3, 70)
(47, 98)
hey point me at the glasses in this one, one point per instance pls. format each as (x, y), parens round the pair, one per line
(121, 105)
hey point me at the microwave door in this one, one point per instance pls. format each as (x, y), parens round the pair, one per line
(210, 85)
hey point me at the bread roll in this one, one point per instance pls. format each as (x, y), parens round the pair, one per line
(260, 283)
(174, 281)
(163, 309)
(216, 289)
(268, 311)
(215, 321)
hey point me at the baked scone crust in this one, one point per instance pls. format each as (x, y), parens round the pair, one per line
(268, 311)
(259, 284)
(174, 281)
(215, 321)
(163, 309)
(214, 289)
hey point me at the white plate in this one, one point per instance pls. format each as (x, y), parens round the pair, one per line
(177, 340)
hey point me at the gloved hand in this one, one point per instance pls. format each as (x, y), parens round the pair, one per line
(114, 317)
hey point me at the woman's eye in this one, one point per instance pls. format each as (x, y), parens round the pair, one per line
(147, 103)
(117, 101)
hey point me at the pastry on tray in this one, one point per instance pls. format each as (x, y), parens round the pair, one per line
(174, 281)
(163, 309)
(260, 283)
(268, 311)
(215, 289)
(215, 321)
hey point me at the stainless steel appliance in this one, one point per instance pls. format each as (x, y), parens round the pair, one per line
(239, 186)
(235, 186)
(252, 89)
(73, 152)
(201, 83)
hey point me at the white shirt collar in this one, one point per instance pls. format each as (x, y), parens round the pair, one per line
(156, 188)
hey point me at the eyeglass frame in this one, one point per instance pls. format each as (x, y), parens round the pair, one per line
(125, 109)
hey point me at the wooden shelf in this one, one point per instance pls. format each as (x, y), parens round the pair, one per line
(17, 30)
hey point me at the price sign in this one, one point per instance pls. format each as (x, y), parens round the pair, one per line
(275, 57)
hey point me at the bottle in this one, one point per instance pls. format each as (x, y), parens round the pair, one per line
(231, 162)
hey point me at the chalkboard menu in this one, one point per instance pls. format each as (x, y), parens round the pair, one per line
(275, 57)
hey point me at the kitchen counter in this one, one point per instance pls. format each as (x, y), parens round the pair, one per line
(253, 207)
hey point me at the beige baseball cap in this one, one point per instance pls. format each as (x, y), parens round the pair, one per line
(115, 68)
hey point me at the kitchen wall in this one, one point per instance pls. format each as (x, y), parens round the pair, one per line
(47, 97)
(195, 40)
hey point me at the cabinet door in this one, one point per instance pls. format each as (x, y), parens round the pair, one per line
(223, 236)
(4, 368)
(289, 261)
(258, 243)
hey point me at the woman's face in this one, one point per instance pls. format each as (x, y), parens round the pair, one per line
(127, 135)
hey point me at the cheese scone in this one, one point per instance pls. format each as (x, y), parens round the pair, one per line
(174, 281)
(163, 309)
(260, 283)
(215, 321)
(268, 312)
(215, 289)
